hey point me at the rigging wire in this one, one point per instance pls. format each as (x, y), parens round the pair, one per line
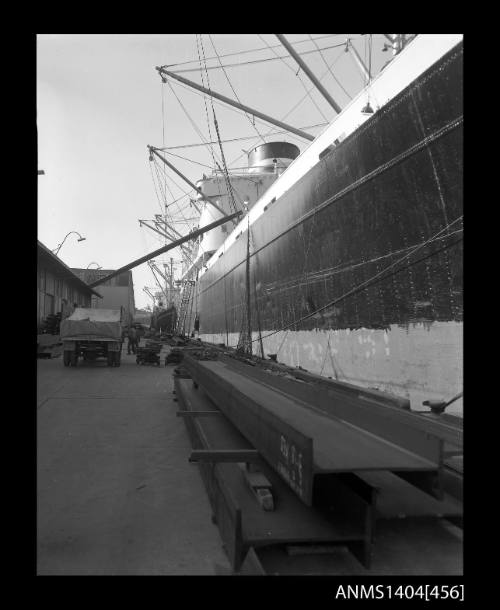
(187, 159)
(160, 185)
(163, 142)
(229, 186)
(308, 92)
(164, 171)
(329, 69)
(202, 137)
(271, 132)
(260, 61)
(281, 344)
(213, 111)
(297, 104)
(161, 169)
(232, 88)
(185, 193)
(179, 209)
(300, 79)
(226, 179)
(231, 109)
(157, 281)
(370, 58)
(371, 280)
(326, 354)
(237, 139)
(165, 214)
(192, 61)
(204, 96)
(154, 185)
(366, 57)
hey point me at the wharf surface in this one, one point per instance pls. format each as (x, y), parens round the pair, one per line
(116, 493)
(118, 496)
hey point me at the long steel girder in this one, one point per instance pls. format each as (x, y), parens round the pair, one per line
(190, 236)
(300, 442)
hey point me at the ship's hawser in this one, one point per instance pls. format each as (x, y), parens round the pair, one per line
(354, 245)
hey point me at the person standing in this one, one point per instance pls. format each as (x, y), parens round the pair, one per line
(132, 340)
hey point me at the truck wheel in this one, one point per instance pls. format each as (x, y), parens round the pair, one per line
(117, 358)
(110, 359)
(74, 359)
(66, 357)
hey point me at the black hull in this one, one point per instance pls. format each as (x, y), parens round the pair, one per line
(369, 238)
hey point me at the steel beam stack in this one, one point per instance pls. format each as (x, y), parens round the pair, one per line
(337, 462)
(301, 442)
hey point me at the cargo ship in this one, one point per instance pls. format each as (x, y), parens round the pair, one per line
(347, 261)
(163, 319)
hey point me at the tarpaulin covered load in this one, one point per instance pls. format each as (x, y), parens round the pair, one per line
(92, 324)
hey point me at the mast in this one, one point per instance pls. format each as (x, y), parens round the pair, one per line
(149, 293)
(154, 268)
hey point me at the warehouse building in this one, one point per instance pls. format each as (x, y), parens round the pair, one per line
(59, 289)
(116, 292)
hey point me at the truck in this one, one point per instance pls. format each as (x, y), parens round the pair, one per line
(91, 334)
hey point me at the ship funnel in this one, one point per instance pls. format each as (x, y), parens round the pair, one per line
(272, 157)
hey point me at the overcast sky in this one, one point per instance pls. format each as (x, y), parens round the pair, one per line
(100, 101)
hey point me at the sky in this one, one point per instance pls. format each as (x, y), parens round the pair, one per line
(100, 102)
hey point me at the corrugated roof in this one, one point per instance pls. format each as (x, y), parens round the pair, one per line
(63, 269)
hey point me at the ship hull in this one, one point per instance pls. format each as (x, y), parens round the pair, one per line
(164, 321)
(356, 271)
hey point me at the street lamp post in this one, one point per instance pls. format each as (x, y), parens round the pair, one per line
(92, 277)
(80, 238)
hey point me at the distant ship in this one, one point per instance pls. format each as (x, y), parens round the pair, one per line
(349, 260)
(164, 319)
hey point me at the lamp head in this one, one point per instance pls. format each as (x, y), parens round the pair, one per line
(367, 109)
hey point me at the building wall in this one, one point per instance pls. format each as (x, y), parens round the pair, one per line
(114, 297)
(56, 295)
(116, 292)
(142, 317)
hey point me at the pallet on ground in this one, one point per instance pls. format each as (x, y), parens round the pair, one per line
(148, 355)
